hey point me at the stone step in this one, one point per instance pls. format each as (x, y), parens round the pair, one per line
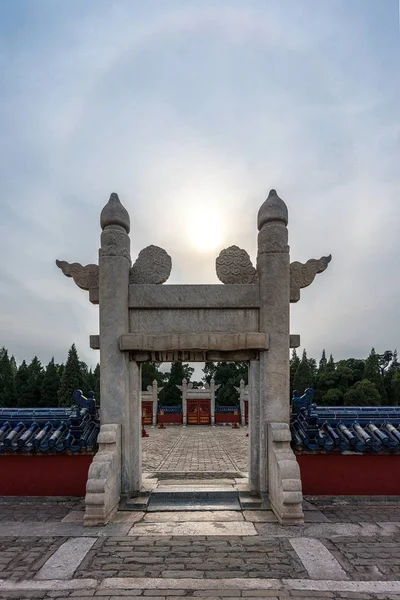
(140, 502)
(250, 501)
(193, 500)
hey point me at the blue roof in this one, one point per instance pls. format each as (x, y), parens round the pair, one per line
(361, 429)
(49, 430)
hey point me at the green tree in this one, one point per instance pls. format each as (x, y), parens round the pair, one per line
(372, 372)
(50, 385)
(323, 362)
(303, 377)
(151, 372)
(30, 390)
(171, 395)
(72, 378)
(228, 376)
(333, 397)
(21, 383)
(294, 363)
(362, 393)
(7, 380)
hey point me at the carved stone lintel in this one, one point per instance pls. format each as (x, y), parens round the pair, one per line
(85, 277)
(233, 265)
(153, 265)
(302, 275)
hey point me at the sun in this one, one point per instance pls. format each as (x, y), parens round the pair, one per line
(204, 231)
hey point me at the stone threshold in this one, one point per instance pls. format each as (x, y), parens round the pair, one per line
(128, 583)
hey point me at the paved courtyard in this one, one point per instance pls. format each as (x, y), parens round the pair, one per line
(348, 548)
(196, 449)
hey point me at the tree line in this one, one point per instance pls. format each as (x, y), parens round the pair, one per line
(353, 382)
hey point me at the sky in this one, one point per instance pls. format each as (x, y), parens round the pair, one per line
(191, 111)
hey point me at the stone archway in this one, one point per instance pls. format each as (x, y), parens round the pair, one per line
(246, 318)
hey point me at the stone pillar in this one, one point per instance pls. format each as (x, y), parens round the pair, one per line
(114, 265)
(155, 401)
(183, 388)
(273, 266)
(254, 426)
(212, 400)
(242, 392)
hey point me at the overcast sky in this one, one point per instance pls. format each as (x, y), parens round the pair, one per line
(191, 111)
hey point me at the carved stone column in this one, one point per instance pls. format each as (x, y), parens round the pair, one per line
(155, 401)
(212, 400)
(273, 266)
(114, 265)
(183, 389)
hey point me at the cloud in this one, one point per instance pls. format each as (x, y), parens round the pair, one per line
(181, 108)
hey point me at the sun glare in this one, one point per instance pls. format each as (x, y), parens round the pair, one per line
(204, 232)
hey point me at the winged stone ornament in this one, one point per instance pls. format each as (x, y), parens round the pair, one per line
(233, 265)
(85, 277)
(303, 274)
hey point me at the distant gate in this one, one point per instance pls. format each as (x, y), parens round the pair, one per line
(199, 412)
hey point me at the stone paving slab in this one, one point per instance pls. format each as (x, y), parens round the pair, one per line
(182, 516)
(190, 528)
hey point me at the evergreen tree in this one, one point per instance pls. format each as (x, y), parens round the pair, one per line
(331, 363)
(362, 393)
(72, 378)
(96, 389)
(31, 396)
(7, 380)
(50, 385)
(333, 397)
(323, 362)
(294, 363)
(21, 383)
(151, 372)
(372, 372)
(171, 395)
(303, 378)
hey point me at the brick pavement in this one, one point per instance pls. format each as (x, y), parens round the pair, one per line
(195, 449)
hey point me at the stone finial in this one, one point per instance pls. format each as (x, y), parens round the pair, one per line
(115, 214)
(273, 209)
(184, 381)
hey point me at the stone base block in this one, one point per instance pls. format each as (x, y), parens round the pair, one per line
(103, 488)
(284, 481)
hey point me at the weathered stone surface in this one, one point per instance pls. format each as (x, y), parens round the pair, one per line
(194, 528)
(272, 209)
(85, 277)
(103, 488)
(302, 275)
(193, 341)
(233, 266)
(152, 266)
(114, 213)
(194, 296)
(64, 562)
(317, 559)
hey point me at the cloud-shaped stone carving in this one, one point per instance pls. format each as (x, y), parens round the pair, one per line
(85, 277)
(302, 275)
(233, 265)
(153, 265)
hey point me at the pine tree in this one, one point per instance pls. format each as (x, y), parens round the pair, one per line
(362, 393)
(31, 396)
(372, 372)
(7, 380)
(96, 388)
(323, 362)
(294, 363)
(21, 383)
(331, 363)
(171, 395)
(303, 377)
(50, 385)
(72, 378)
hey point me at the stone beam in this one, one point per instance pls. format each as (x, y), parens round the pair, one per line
(194, 296)
(223, 342)
(213, 356)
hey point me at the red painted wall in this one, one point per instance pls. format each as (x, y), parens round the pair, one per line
(227, 418)
(350, 475)
(46, 475)
(170, 418)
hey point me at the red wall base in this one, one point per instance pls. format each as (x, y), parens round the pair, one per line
(54, 475)
(350, 475)
(170, 418)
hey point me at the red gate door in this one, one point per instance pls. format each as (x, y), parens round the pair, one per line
(198, 412)
(147, 410)
(246, 411)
